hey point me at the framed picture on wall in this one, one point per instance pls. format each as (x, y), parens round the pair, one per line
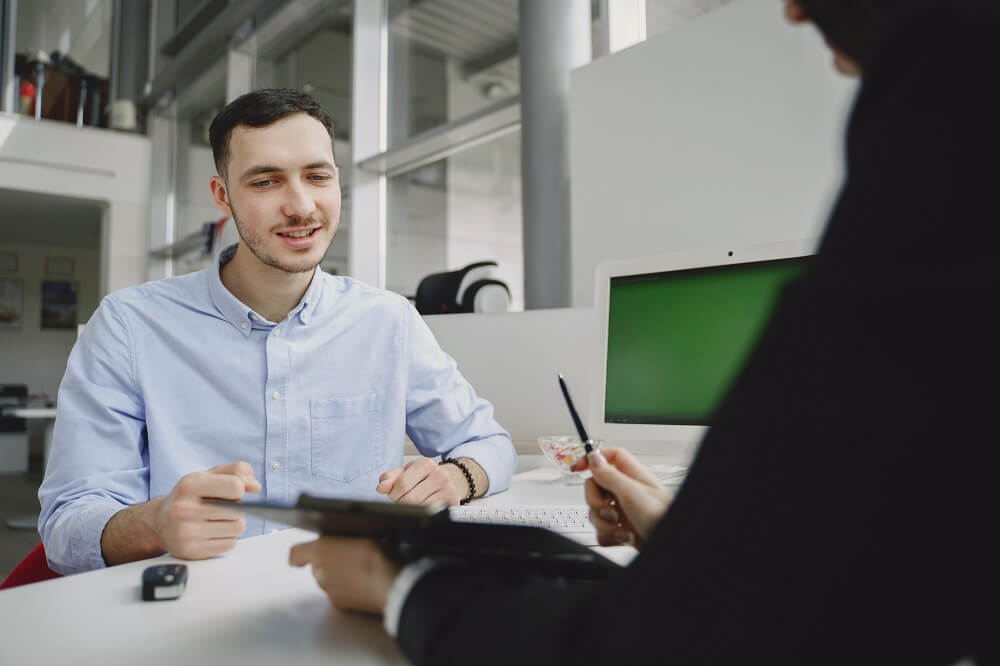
(59, 266)
(58, 304)
(11, 303)
(8, 262)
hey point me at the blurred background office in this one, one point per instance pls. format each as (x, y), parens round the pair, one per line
(466, 131)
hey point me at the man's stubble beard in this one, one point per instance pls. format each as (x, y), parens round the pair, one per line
(256, 247)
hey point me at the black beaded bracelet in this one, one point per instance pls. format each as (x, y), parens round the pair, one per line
(468, 477)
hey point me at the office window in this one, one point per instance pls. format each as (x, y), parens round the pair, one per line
(446, 60)
(456, 211)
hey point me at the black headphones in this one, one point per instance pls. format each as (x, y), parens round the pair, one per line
(470, 289)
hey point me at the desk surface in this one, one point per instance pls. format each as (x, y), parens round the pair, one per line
(246, 607)
(30, 412)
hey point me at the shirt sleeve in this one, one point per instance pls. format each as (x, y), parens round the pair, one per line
(407, 578)
(98, 464)
(444, 416)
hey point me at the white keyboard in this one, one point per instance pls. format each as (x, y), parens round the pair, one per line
(570, 520)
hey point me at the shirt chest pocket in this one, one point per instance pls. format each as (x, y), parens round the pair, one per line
(347, 439)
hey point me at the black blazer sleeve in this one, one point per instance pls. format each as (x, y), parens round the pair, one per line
(840, 510)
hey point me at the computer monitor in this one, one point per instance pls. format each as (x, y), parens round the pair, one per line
(673, 331)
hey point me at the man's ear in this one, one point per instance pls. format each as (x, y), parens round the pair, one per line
(220, 194)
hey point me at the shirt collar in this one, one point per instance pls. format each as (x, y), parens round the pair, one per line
(239, 314)
(310, 299)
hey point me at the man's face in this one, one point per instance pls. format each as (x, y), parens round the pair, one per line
(282, 191)
(844, 63)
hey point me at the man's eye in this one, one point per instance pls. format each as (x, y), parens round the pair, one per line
(319, 177)
(262, 183)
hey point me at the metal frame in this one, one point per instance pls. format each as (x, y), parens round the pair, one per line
(116, 49)
(490, 123)
(369, 134)
(162, 130)
(8, 27)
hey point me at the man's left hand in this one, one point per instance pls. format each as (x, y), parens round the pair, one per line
(354, 573)
(423, 481)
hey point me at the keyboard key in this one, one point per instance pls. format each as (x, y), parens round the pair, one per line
(564, 519)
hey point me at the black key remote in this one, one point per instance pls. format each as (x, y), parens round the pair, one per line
(164, 581)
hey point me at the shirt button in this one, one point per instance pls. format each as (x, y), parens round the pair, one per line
(275, 395)
(274, 531)
(244, 325)
(277, 331)
(276, 465)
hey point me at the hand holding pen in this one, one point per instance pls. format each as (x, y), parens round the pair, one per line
(626, 500)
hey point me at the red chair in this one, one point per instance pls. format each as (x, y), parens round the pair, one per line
(32, 569)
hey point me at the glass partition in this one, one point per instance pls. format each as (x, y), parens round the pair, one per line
(456, 211)
(446, 60)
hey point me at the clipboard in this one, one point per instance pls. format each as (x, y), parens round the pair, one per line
(407, 532)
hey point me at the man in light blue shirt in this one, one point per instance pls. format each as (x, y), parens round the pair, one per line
(261, 375)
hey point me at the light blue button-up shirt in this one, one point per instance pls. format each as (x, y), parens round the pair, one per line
(176, 376)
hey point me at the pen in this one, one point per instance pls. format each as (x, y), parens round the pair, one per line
(588, 443)
(580, 430)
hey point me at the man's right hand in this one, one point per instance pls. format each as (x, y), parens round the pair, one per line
(632, 503)
(181, 523)
(192, 530)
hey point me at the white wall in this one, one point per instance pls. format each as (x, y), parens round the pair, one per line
(109, 167)
(512, 359)
(724, 130)
(34, 355)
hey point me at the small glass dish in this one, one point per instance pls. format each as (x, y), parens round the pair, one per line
(564, 451)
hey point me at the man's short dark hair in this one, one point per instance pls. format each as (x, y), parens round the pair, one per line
(856, 27)
(260, 108)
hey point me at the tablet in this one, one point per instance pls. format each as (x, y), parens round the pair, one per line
(345, 517)
(408, 532)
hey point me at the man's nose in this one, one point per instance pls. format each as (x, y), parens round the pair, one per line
(297, 202)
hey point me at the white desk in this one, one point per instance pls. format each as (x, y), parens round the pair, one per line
(246, 607)
(48, 414)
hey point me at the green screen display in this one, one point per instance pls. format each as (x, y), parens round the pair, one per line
(676, 340)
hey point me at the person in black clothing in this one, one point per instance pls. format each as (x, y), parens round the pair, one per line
(841, 508)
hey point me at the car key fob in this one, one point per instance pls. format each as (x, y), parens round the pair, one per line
(164, 581)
